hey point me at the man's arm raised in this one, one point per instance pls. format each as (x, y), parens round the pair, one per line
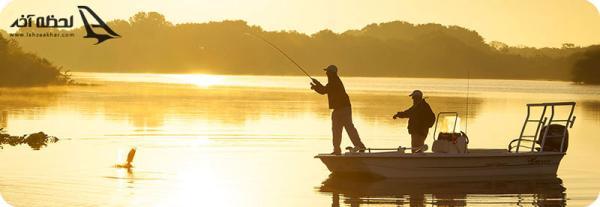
(318, 87)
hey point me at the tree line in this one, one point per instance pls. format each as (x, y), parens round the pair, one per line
(150, 43)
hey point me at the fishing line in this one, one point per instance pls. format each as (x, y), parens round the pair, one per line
(280, 51)
(467, 110)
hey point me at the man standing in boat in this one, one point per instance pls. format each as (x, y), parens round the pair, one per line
(341, 117)
(420, 119)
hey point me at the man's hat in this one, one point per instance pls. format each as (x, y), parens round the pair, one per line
(416, 93)
(331, 68)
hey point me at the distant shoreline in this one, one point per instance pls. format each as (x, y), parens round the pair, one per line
(323, 76)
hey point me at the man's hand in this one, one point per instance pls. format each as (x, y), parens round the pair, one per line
(314, 84)
(397, 115)
(315, 81)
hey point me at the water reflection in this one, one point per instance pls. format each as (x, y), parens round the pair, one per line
(120, 108)
(124, 174)
(359, 191)
(593, 110)
(3, 119)
(250, 141)
(30, 97)
(27, 102)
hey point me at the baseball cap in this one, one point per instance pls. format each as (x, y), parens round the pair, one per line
(331, 68)
(416, 93)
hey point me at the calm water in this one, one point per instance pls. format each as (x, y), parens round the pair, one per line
(250, 141)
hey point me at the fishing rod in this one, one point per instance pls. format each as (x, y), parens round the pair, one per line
(280, 51)
(467, 110)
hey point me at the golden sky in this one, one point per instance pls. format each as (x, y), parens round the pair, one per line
(536, 23)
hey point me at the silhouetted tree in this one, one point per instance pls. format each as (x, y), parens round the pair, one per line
(568, 45)
(18, 68)
(500, 46)
(587, 67)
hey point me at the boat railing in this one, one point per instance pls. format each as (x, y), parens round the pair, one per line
(416, 149)
(545, 119)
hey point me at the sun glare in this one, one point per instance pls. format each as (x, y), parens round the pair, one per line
(447, 124)
(204, 81)
(596, 4)
(3, 203)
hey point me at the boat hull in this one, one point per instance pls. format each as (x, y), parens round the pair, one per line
(399, 165)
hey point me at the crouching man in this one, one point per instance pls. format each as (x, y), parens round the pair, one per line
(420, 119)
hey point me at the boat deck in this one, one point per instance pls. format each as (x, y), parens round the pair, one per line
(471, 153)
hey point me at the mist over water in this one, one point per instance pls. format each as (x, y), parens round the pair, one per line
(209, 140)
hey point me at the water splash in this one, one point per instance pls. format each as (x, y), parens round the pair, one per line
(127, 163)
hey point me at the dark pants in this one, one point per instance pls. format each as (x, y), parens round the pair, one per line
(417, 140)
(342, 118)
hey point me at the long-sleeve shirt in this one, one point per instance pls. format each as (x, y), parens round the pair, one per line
(336, 93)
(419, 117)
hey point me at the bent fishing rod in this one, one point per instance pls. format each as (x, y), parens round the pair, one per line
(280, 51)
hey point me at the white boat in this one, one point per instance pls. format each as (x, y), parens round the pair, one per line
(544, 150)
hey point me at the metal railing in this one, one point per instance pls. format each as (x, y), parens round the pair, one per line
(545, 120)
(437, 120)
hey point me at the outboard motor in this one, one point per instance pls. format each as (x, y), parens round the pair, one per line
(554, 138)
